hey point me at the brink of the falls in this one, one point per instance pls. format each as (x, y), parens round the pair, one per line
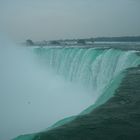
(43, 89)
(97, 71)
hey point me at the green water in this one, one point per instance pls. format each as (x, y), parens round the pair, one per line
(100, 71)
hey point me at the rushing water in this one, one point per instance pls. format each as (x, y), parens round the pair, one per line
(40, 86)
(94, 69)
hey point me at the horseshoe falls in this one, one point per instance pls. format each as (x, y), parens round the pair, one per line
(97, 71)
(94, 69)
(57, 85)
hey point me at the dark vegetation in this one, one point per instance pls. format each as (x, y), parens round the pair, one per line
(29, 42)
(87, 41)
(119, 39)
(81, 41)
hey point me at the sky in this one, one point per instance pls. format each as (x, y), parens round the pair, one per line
(66, 19)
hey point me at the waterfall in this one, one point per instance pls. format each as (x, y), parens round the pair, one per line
(95, 69)
(97, 72)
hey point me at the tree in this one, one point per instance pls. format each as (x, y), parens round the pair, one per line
(55, 42)
(81, 41)
(29, 42)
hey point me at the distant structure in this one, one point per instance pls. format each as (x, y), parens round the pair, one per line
(81, 42)
(29, 42)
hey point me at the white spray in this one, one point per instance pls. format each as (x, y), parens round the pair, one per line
(33, 98)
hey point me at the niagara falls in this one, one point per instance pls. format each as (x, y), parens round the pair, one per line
(69, 70)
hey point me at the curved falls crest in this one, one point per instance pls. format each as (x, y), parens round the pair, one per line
(99, 71)
(94, 69)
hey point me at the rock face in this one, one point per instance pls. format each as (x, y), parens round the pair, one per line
(117, 119)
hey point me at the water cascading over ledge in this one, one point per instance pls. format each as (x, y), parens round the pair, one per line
(99, 71)
(95, 69)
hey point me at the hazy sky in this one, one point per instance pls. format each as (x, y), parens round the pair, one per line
(60, 19)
